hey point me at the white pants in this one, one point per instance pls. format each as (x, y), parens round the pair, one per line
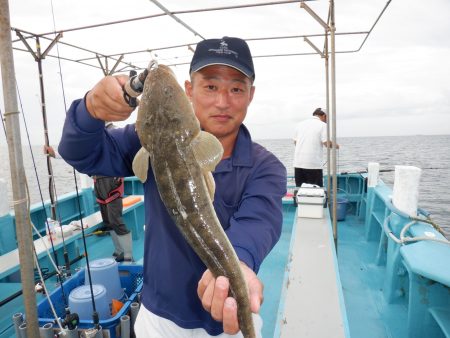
(149, 325)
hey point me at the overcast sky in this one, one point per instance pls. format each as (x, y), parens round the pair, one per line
(398, 84)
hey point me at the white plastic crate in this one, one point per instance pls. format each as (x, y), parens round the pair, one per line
(310, 202)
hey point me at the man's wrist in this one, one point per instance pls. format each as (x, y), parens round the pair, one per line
(90, 105)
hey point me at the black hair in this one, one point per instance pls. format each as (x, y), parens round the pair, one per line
(319, 112)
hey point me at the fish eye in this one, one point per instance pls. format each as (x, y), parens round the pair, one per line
(168, 91)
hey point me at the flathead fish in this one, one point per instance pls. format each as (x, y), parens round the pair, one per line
(182, 157)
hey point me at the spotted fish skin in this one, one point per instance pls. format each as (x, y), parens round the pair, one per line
(182, 158)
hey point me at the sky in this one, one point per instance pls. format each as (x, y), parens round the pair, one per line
(397, 84)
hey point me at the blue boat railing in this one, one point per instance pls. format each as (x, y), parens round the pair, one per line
(417, 274)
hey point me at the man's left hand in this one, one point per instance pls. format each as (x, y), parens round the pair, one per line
(213, 293)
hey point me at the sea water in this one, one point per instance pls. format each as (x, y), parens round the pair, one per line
(430, 153)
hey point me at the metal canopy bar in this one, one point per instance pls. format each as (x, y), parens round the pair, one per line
(314, 15)
(374, 24)
(313, 46)
(129, 65)
(249, 39)
(174, 13)
(181, 22)
(55, 40)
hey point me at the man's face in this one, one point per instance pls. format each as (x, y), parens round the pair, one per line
(220, 96)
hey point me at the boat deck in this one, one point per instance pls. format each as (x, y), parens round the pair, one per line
(368, 314)
(313, 303)
(272, 272)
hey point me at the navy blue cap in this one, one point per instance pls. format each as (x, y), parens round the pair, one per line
(233, 52)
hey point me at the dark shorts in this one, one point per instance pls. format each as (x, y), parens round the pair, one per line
(311, 176)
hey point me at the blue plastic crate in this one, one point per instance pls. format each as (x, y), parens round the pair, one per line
(131, 277)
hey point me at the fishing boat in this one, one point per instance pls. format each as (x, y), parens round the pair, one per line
(355, 259)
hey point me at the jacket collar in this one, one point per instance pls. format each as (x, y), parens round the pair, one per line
(242, 153)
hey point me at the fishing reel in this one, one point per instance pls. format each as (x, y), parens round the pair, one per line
(71, 320)
(135, 85)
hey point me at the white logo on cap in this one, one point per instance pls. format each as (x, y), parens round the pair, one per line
(223, 49)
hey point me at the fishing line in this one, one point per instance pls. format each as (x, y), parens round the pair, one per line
(95, 314)
(36, 174)
(55, 261)
(36, 261)
(52, 180)
(3, 123)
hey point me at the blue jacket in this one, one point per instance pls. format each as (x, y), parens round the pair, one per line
(248, 202)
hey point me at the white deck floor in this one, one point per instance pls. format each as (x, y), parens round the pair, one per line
(312, 305)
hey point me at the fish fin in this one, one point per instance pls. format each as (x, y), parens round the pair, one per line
(207, 150)
(210, 184)
(140, 164)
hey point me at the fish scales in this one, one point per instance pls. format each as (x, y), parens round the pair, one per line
(168, 129)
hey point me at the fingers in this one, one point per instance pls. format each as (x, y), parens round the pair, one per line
(203, 283)
(221, 288)
(256, 296)
(213, 294)
(230, 318)
(255, 288)
(105, 101)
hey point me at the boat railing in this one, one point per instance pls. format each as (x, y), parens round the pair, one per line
(68, 212)
(415, 256)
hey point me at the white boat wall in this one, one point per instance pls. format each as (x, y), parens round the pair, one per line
(360, 260)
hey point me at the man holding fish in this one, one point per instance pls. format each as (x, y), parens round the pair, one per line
(198, 229)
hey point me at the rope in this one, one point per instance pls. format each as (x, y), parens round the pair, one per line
(405, 239)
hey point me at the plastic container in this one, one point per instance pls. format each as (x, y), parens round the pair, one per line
(131, 277)
(105, 271)
(341, 208)
(51, 229)
(310, 202)
(80, 301)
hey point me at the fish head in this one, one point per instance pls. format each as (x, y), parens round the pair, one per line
(165, 112)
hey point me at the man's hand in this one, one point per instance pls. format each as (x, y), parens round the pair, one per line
(213, 293)
(48, 150)
(105, 101)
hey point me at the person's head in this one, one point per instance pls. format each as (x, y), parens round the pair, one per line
(320, 113)
(221, 86)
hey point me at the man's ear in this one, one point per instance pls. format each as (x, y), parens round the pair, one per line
(188, 88)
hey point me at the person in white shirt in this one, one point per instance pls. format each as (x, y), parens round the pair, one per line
(310, 138)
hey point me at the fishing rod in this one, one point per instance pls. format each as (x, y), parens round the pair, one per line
(46, 276)
(135, 85)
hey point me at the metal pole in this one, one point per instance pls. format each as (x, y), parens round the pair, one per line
(39, 58)
(20, 201)
(333, 121)
(327, 83)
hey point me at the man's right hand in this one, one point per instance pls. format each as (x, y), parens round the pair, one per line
(106, 102)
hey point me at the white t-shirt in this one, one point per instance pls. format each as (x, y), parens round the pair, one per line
(309, 137)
